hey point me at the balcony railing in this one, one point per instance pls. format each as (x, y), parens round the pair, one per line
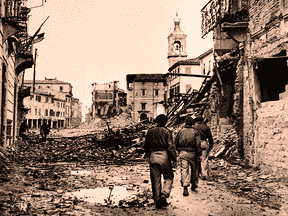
(211, 13)
(219, 11)
(16, 14)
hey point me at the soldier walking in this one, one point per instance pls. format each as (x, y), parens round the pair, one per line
(187, 143)
(160, 150)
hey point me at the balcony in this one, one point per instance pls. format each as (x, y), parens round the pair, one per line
(15, 19)
(223, 11)
(24, 57)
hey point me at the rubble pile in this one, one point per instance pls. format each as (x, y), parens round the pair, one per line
(245, 181)
(118, 121)
(225, 145)
(108, 147)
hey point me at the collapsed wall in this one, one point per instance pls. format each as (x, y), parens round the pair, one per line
(271, 127)
(224, 110)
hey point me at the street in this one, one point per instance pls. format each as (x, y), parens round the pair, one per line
(94, 188)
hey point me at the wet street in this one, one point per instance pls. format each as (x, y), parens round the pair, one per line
(90, 189)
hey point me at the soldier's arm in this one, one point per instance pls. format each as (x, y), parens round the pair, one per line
(198, 143)
(171, 147)
(147, 145)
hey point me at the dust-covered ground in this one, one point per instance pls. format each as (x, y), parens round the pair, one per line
(83, 189)
(72, 174)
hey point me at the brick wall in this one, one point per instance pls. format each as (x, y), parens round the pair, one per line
(272, 128)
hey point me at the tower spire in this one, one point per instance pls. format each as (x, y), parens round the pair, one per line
(177, 20)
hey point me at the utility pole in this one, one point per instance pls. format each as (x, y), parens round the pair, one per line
(34, 74)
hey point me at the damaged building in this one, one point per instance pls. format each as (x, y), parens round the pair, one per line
(106, 99)
(248, 90)
(16, 56)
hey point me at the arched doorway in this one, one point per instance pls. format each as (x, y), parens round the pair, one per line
(143, 116)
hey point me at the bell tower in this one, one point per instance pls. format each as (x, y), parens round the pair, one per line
(176, 43)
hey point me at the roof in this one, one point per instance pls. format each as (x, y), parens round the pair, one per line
(145, 78)
(46, 81)
(205, 54)
(192, 61)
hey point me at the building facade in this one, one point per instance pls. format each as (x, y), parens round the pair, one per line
(179, 84)
(76, 112)
(16, 50)
(144, 94)
(105, 99)
(53, 100)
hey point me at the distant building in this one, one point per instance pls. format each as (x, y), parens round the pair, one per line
(76, 112)
(144, 94)
(178, 85)
(52, 100)
(105, 98)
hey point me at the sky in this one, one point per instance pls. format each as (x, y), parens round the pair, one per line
(92, 41)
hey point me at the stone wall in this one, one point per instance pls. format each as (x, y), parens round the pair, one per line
(272, 128)
(268, 27)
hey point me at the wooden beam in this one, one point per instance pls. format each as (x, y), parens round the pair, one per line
(192, 75)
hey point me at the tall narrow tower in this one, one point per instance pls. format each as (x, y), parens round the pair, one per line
(176, 43)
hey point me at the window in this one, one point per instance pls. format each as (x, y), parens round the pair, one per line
(48, 86)
(39, 111)
(39, 87)
(156, 92)
(61, 88)
(188, 70)
(46, 99)
(143, 83)
(52, 100)
(31, 97)
(178, 89)
(52, 112)
(143, 92)
(143, 105)
(178, 71)
(46, 112)
(38, 98)
(35, 111)
(203, 68)
(188, 86)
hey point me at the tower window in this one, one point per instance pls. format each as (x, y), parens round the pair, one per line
(156, 92)
(143, 106)
(61, 88)
(143, 92)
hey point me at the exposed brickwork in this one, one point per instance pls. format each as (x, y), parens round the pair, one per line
(272, 125)
(265, 123)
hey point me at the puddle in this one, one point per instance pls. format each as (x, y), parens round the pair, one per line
(100, 195)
